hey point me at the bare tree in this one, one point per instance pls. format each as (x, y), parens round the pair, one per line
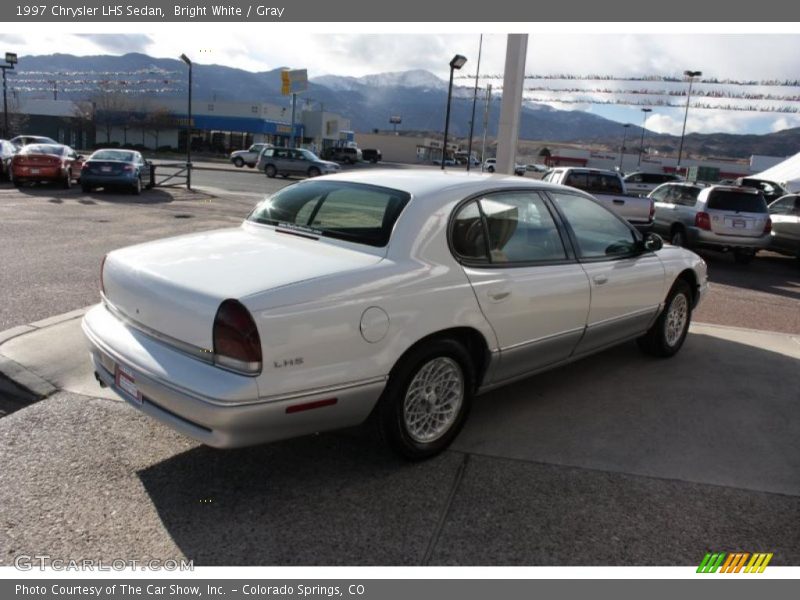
(111, 108)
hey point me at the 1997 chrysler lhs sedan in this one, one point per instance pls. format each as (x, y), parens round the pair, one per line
(396, 294)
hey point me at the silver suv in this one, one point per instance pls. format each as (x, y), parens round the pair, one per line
(294, 161)
(719, 217)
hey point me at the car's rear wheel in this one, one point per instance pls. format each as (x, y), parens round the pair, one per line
(490, 169)
(313, 172)
(86, 188)
(66, 183)
(678, 237)
(668, 333)
(743, 256)
(427, 399)
(238, 162)
(137, 186)
(271, 171)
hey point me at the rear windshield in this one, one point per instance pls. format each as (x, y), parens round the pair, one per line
(43, 149)
(364, 214)
(737, 201)
(112, 155)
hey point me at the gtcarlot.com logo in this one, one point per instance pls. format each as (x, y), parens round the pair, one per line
(734, 562)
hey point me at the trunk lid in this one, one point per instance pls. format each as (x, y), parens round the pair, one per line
(737, 212)
(106, 167)
(175, 286)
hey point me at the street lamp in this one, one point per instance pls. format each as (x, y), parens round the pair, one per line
(691, 75)
(11, 60)
(188, 62)
(641, 143)
(457, 62)
(622, 148)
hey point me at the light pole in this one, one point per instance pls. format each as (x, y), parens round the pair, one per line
(457, 62)
(641, 143)
(691, 75)
(11, 60)
(188, 62)
(622, 148)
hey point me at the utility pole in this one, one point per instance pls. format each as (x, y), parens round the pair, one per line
(474, 101)
(292, 141)
(486, 122)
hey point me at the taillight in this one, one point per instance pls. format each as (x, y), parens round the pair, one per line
(768, 226)
(652, 210)
(84, 166)
(102, 267)
(237, 345)
(703, 221)
(127, 168)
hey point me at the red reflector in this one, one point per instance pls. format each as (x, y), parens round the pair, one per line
(703, 221)
(768, 226)
(294, 408)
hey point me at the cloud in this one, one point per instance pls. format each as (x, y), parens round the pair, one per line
(119, 43)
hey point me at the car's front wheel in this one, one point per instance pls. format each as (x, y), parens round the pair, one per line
(137, 186)
(66, 182)
(427, 399)
(668, 333)
(313, 172)
(271, 171)
(238, 162)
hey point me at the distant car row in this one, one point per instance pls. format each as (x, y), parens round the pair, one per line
(51, 162)
(342, 154)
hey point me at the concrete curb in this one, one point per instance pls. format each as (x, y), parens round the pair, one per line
(21, 375)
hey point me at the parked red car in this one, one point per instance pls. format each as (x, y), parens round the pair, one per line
(46, 162)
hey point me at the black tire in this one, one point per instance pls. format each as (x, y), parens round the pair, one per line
(661, 339)
(251, 165)
(271, 171)
(313, 172)
(374, 161)
(238, 162)
(391, 413)
(490, 169)
(66, 183)
(678, 237)
(86, 188)
(136, 190)
(743, 257)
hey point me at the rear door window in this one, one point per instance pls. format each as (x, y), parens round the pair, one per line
(736, 201)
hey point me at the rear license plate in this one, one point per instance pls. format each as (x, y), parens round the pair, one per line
(34, 171)
(127, 383)
(105, 169)
(739, 223)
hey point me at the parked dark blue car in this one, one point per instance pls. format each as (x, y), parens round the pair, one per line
(114, 169)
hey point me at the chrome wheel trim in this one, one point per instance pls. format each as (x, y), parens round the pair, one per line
(677, 318)
(433, 400)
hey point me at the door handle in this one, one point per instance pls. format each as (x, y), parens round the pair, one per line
(600, 279)
(497, 296)
(616, 201)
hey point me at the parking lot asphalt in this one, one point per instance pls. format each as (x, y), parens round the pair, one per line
(617, 459)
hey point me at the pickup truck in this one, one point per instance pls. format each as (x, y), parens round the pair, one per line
(609, 189)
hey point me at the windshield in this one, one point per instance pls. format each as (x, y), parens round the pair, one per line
(364, 214)
(43, 149)
(112, 155)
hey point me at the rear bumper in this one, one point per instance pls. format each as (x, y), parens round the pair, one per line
(214, 406)
(702, 238)
(100, 180)
(44, 173)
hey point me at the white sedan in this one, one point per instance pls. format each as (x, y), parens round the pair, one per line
(398, 294)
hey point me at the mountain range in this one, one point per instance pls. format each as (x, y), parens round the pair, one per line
(418, 96)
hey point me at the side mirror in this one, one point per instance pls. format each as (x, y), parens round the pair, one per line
(652, 242)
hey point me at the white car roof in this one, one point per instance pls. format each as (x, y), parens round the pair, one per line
(423, 182)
